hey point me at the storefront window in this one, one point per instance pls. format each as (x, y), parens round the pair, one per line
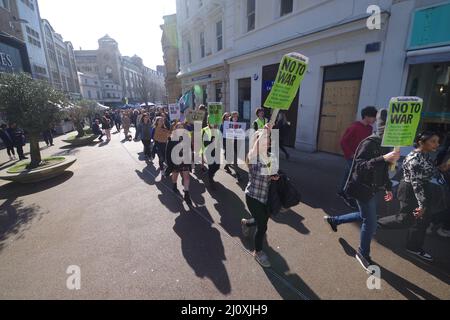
(245, 98)
(431, 82)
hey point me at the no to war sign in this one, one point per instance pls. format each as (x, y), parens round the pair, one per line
(174, 112)
(234, 130)
(292, 70)
(403, 120)
(215, 113)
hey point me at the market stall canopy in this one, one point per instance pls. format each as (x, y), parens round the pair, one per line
(100, 106)
(143, 105)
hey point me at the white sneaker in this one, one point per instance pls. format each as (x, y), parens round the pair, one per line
(443, 233)
(262, 259)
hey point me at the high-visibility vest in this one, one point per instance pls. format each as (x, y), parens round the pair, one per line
(209, 134)
(261, 123)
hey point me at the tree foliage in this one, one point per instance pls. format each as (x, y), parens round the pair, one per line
(33, 105)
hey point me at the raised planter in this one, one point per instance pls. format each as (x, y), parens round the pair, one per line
(55, 167)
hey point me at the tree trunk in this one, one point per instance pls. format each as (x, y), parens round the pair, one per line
(80, 129)
(35, 151)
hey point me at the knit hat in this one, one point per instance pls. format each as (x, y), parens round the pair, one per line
(381, 121)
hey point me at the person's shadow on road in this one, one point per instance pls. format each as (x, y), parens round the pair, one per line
(409, 290)
(292, 219)
(289, 285)
(202, 247)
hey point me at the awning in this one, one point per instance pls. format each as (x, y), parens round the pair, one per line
(432, 55)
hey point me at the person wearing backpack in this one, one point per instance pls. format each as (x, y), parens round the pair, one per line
(369, 176)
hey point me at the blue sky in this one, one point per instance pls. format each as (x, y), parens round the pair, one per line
(135, 24)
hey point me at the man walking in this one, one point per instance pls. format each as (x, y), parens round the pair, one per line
(353, 136)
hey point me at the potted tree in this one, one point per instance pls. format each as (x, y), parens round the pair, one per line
(34, 106)
(78, 114)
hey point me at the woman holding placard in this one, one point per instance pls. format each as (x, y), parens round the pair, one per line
(257, 192)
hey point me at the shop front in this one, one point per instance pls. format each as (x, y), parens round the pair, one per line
(429, 65)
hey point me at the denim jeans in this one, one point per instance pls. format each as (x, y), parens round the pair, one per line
(368, 217)
(347, 169)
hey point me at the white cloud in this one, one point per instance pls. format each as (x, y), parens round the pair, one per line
(134, 24)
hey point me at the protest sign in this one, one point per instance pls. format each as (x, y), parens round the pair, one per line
(235, 130)
(292, 70)
(403, 120)
(215, 113)
(194, 116)
(174, 112)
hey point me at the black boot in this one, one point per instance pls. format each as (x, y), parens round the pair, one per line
(175, 189)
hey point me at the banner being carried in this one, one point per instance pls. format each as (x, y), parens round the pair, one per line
(403, 121)
(194, 116)
(174, 112)
(234, 130)
(292, 70)
(215, 113)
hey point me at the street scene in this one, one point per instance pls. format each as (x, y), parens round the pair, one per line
(274, 150)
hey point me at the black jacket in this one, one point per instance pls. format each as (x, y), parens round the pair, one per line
(7, 140)
(17, 135)
(370, 172)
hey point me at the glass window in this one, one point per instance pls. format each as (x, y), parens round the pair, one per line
(202, 44)
(5, 4)
(287, 6)
(251, 14)
(245, 98)
(431, 83)
(189, 51)
(219, 35)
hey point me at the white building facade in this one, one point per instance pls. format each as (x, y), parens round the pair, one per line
(351, 65)
(205, 31)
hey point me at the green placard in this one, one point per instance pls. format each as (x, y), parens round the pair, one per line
(402, 122)
(215, 113)
(292, 70)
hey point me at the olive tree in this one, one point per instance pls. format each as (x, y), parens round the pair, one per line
(33, 105)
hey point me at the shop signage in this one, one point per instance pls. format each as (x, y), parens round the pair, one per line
(430, 27)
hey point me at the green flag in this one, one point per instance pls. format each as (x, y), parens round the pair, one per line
(403, 120)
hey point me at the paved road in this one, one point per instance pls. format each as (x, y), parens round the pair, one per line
(115, 217)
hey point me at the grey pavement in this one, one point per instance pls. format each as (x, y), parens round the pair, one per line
(115, 217)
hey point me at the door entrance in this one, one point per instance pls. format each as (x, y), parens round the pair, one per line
(340, 100)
